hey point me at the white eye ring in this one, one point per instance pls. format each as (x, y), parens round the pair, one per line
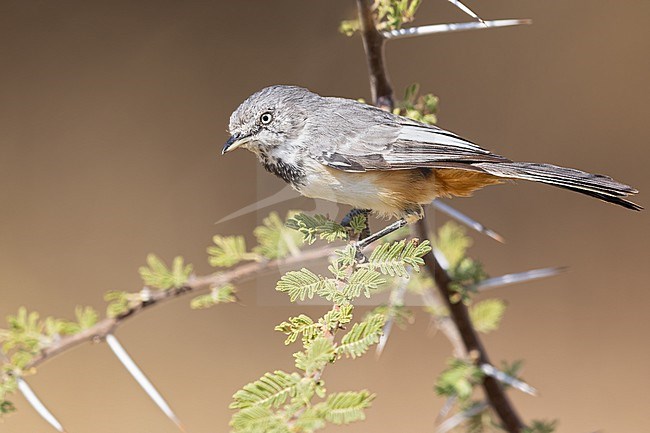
(266, 118)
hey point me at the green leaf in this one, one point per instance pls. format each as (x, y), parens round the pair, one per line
(118, 303)
(316, 356)
(392, 258)
(453, 241)
(6, 407)
(86, 316)
(218, 295)
(359, 223)
(258, 419)
(337, 316)
(228, 251)
(538, 426)
(345, 407)
(275, 240)
(299, 325)
(271, 390)
(315, 227)
(362, 335)
(303, 284)
(459, 379)
(310, 420)
(156, 274)
(486, 315)
(364, 281)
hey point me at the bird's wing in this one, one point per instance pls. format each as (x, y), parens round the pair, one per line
(383, 141)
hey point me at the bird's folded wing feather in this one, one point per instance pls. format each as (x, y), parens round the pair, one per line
(382, 141)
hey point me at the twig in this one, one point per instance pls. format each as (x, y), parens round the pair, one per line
(107, 326)
(382, 95)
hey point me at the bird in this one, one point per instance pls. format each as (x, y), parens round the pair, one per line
(353, 153)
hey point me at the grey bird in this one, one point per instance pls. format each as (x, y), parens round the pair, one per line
(349, 152)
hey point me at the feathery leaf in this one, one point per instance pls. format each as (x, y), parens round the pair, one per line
(156, 274)
(304, 284)
(271, 390)
(275, 240)
(486, 315)
(362, 335)
(315, 227)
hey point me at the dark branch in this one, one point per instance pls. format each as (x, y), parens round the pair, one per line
(473, 345)
(382, 94)
(373, 42)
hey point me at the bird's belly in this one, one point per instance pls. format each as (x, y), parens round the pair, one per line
(386, 193)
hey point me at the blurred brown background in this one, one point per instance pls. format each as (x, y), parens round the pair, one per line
(112, 115)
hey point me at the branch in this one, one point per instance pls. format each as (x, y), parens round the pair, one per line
(107, 326)
(460, 315)
(373, 42)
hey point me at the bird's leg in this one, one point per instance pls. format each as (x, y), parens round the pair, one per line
(347, 219)
(362, 243)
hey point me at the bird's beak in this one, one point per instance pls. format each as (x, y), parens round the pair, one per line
(234, 142)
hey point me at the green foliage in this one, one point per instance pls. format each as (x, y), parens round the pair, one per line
(119, 302)
(358, 223)
(392, 258)
(453, 241)
(486, 315)
(271, 390)
(86, 317)
(401, 315)
(318, 353)
(300, 325)
(218, 295)
(275, 240)
(304, 284)
(157, 274)
(258, 419)
(459, 379)
(422, 108)
(362, 335)
(227, 251)
(363, 280)
(345, 407)
(465, 272)
(538, 426)
(389, 15)
(6, 407)
(315, 227)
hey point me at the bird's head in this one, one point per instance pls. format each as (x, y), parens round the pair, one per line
(273, 117)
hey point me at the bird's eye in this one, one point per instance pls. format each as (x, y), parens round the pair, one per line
(266, 118)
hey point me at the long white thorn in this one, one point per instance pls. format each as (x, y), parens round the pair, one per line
(451, 27)
(499, 375)
(457, 419)
(142, 380)
(38, 405)
(396, 298)
(520, 277)
(467, 10)
(469, 222)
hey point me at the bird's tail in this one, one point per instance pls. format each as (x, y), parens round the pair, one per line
(595, 185)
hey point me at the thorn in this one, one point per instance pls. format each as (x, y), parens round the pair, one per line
(467, 10)
(142, 380)
(461, 217)
(451, 27)
(520, 277)
(499, 375)
(38, 406)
